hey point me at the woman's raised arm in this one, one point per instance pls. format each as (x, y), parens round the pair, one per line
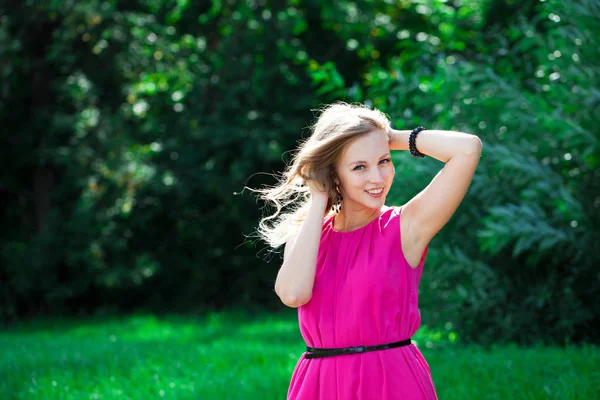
(433, 207)
(296, 276)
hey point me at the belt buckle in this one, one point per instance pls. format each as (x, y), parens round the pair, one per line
(359, 349)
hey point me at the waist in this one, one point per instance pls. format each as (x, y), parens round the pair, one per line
(314, 352)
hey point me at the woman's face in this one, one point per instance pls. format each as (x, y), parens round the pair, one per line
(365, 164)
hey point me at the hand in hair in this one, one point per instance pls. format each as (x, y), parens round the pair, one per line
(317, 190)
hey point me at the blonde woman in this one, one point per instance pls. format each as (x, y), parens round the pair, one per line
(352, 264)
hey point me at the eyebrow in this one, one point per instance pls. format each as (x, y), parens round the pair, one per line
(361, 161)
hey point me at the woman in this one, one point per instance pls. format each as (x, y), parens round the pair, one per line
(352, 264)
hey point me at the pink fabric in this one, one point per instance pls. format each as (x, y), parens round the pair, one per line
(365, 293)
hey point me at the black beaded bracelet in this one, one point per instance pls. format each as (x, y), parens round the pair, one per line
(411, 142)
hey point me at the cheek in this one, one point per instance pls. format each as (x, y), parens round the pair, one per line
(358, 181)
(389, 173)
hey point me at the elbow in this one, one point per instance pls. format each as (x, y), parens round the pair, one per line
(291, 302)
(294, 301)
(475, 146)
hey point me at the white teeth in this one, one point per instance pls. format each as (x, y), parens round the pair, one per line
(375, 191)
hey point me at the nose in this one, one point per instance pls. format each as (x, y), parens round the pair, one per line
(376, 178)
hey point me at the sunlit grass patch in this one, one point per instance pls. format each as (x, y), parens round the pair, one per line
(233, 356)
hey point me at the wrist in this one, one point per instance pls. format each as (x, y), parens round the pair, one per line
(399, 139)
(319, 201)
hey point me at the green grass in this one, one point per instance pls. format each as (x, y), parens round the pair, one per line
(231, 356)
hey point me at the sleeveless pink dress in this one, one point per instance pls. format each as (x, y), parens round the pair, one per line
(364, 293)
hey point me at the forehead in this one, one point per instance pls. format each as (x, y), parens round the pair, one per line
(370, 146)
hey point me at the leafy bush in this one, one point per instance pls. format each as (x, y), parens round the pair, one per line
(128, 126)
(517, 262)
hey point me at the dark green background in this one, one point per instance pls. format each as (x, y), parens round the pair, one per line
(130, 128)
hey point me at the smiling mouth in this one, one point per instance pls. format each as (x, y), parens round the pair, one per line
(376, 191)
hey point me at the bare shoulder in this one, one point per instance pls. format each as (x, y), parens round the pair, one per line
(413, 244)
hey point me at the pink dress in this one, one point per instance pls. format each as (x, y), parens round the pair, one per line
(365, 293)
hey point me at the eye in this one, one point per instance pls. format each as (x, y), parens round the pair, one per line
(387, 160)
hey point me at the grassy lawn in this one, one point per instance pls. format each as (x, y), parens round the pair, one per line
(231, 356)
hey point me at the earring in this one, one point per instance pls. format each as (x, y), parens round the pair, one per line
(337, 206)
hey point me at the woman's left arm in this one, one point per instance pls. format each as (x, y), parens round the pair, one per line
(433, 207)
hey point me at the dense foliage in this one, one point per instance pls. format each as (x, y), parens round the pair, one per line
(127, 127)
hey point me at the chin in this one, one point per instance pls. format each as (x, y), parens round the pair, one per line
(375, 202)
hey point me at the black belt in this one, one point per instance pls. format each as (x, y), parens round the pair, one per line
(322, 352)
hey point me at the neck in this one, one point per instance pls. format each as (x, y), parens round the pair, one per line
(350, 220)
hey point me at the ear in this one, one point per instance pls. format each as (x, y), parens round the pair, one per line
(333, 175)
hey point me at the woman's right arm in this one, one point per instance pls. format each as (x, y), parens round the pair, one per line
(296, 276)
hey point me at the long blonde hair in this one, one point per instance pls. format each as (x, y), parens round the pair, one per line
(337, 125)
